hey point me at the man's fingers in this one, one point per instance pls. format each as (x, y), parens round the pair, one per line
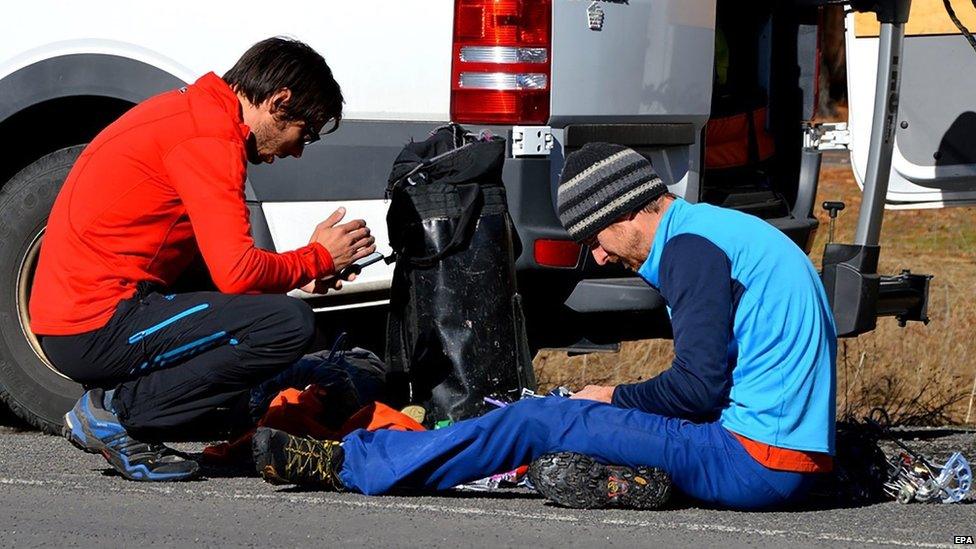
(363, 242)
(353, 225)
(334, 218)
(358, 234)
(598, 393)
(586, 392)
(363, 252)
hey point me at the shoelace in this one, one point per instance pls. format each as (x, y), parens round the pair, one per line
(132, 448)
(309, 459)
(128, 447)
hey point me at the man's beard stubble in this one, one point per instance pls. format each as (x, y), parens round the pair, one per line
(251, 148)
(636, 255)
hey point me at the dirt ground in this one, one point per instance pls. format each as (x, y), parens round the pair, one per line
(921, 374)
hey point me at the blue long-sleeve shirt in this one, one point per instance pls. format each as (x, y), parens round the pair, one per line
(754, 337)
(696, 283)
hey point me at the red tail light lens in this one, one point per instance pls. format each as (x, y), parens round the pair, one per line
(501, 63)
(557, 253)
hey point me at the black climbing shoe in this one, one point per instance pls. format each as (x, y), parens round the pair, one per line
(281, 458)
(578, 481)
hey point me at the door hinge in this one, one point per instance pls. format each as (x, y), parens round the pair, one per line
(831, 136)
(531, 141)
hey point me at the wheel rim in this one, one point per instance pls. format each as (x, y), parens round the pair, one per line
(25, 279)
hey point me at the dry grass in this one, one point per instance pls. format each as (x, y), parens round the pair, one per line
(919, 374)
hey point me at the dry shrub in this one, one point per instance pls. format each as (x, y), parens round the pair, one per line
(636, 361)
(921, 375)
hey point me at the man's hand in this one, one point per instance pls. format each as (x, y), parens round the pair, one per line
(599, 393)
(322, 286)
(346, 242)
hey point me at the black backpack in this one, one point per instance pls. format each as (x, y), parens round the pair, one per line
(456, 329)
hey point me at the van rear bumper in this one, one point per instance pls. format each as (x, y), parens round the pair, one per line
(597, 295)
(585, 288)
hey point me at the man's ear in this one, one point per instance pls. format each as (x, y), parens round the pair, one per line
(278, 100)
(629, 216)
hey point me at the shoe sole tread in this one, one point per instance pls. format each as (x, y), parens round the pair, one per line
(580, 482)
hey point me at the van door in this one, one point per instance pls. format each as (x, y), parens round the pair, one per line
(934, 159)
(638, 73)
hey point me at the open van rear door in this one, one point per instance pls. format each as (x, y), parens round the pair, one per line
(934, 158)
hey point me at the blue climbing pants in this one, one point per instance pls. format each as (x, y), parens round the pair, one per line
(705, 461)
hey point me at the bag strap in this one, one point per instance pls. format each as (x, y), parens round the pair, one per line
(471, 200)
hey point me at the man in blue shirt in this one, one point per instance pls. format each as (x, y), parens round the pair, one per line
(743, 418)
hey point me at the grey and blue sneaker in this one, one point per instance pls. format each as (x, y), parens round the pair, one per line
(92, 427)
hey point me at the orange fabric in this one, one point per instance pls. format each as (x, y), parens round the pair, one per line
(157, 187)
(784, 459)
(727, 140)
(300, 413)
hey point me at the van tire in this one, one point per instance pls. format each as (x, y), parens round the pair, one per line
(33, 390)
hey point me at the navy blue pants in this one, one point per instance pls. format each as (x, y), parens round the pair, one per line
(705, 461)
(182, 365)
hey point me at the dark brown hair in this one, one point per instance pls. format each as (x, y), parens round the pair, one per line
(277, 63)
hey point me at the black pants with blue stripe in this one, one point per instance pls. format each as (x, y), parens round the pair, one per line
(182, 365)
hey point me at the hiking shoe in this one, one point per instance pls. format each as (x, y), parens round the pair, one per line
(281, 458)
(92, 428)
(88, 420)
(579, 481)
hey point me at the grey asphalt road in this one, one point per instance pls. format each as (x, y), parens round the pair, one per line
(54, 495)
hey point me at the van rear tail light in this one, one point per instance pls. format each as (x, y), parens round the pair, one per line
(501, 64)
(501, 54)
(502, 81)
(557, 253)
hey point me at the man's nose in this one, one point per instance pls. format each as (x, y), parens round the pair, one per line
(600, 256)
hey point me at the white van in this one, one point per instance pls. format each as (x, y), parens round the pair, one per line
(549, 75)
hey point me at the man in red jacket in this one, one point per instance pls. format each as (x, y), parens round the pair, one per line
(157, 189)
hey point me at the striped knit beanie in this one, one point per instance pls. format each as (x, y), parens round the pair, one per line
(601, 182)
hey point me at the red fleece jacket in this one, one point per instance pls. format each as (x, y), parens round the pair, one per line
(155, 188)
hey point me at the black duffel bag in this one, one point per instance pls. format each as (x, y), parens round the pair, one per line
(456, 328)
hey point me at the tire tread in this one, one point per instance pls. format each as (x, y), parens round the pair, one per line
(11, 196)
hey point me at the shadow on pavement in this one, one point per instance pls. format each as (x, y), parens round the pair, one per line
(504, 494)
(10, 421)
